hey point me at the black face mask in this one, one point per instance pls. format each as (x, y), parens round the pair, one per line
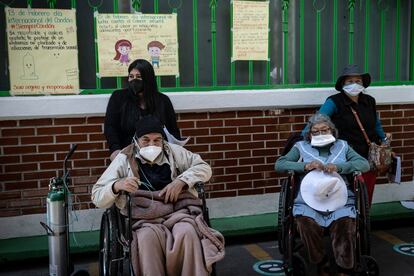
(137, 86)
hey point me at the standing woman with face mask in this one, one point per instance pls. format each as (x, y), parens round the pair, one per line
(127, 106)
(338, 107)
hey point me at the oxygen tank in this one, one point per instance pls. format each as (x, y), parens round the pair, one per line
(57, 226)
(57, 222)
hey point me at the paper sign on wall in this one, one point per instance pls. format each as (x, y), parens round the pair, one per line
(43, 51)
(122, 38)
(250, 30)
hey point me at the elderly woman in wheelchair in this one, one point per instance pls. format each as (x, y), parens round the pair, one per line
(325, 200)
(169, 234)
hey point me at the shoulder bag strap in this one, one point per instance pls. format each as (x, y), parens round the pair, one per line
(361, 126)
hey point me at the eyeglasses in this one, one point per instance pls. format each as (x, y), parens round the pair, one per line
(321, 131)
(131, 77)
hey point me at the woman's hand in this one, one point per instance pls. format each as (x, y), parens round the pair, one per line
(330, 168)
(128, 184)
(172, 190)
(314, 165)
(114, 154)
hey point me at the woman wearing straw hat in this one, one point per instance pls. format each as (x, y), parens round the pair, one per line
(324, 201)
(351, 84)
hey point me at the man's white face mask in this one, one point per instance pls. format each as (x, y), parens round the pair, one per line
(150, 153)
(322, 140)
(353, 89)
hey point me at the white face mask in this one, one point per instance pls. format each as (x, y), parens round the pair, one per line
(353, 89)
(150, 153)
(322, 140)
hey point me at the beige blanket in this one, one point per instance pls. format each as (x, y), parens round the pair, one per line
(172, 239)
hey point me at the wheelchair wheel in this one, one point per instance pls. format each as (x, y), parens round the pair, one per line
(109, 248)
(364, 220)
(368, 266)
(282, 227)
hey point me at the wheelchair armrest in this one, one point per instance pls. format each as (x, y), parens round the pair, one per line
(199, 186)
(129, 217)
(356, 173)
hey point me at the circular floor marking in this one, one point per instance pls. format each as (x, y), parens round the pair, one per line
(269, 267)
(405, 248)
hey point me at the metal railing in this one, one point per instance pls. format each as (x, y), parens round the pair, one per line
(331, 34)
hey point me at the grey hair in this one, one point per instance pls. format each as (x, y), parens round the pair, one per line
(319, 118)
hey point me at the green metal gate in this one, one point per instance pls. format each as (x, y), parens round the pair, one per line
(310, 41)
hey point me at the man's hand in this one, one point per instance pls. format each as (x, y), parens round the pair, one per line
(330, 168)
(128, 184)
(172, 190)
(314, 165)
(114, 154)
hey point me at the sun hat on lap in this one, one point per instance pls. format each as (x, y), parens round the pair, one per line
(325, 192)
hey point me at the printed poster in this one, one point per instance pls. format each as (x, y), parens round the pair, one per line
(122, 38)
(250, 30)
(43, 51)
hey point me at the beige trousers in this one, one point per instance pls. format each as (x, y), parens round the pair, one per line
(158, 251)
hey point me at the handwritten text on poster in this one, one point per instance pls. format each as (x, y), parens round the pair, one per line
(43, 51)
(250, 30)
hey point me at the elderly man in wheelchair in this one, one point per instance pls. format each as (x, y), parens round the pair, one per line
(325, 201)
(169, 233)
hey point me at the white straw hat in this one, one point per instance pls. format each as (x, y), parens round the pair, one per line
(325, 192)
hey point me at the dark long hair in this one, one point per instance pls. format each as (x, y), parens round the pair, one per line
(130, 111)
(150, 84)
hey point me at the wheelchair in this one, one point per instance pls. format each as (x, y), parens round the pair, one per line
(116, 237)
(291, 246)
